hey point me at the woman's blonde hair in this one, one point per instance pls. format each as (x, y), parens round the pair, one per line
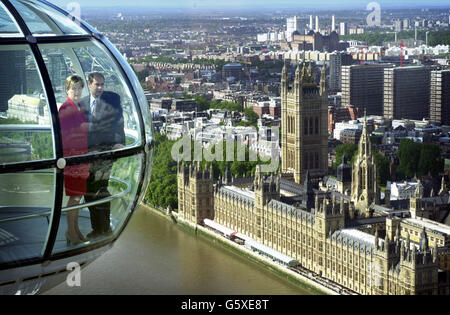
(72, 80)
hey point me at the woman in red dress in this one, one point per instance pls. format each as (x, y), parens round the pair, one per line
(74, 131)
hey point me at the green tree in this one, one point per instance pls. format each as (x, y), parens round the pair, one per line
(231, 106)
(349, 149)
(163, 188)
(418, 159)
(252, 116)
(203, 103)
(408, 155)
(382, 164)
(430, 160)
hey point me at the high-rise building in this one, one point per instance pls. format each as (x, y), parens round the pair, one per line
(407, 93)
(292, 25)
(440, 97)
(343, 29)
(304, 115)
(398, 25)
(337, 60)
(12, 76)
(362, 86)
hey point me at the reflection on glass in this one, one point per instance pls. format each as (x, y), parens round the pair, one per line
(74, 133)
(116, 113)
(42, 19)
(26, 202)
(7, 26)
(25, 123)
(111, 191)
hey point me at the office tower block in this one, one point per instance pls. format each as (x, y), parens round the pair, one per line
(337, 60)
(343, 28)
(407, 92)
(362, 86)
(304, 114)
(292, 25)
(12, 76)
(440, 97)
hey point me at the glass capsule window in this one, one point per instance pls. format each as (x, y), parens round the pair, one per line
(27, 201)
(119, 180)
(95, 66)
(25, 122)
(8, 28)
(75, 136)
(43, 20)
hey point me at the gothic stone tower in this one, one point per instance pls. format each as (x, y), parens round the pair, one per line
(265, 191)
(364, 176)
(304, 110)
(195, 193)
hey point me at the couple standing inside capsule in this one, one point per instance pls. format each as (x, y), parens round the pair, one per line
(89, 124)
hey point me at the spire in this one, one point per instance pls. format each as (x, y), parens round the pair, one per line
(402, 250)
(376, 237)
(408, 241)
(365, 150)
(443, 190)
(323, 80)
(278, 182)
(298, 75)
(397, 233)
(435, 252)
(386, 243)
(258, 175)
(284, 73)
(418, 191)
(304, 72)
(424, 241)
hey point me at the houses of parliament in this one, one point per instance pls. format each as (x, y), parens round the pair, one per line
(351, 235)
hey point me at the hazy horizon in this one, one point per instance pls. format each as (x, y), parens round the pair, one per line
(256, 4)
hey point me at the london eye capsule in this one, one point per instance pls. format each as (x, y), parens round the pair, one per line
(75, 145)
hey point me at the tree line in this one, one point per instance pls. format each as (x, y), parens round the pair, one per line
(414, 159)
(163, 188)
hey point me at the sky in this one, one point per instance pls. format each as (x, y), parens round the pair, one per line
(269, 4)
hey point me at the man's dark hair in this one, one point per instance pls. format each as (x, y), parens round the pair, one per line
(95, 76)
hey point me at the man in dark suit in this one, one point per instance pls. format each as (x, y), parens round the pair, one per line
(105, 133)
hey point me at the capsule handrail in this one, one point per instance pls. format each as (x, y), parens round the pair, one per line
(46, 128)
(79, 206)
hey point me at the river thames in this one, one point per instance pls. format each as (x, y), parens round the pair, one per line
(155, 256)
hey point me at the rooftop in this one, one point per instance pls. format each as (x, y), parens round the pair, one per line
(433, 226)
